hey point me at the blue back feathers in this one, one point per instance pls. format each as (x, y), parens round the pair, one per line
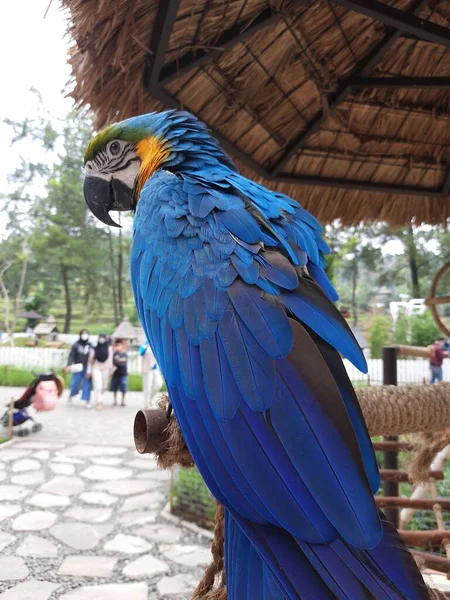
(231, 290)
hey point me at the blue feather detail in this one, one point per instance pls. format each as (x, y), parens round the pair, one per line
(277, 269)
(306, 304)
(344, 498)
(176, 311)
(266, 321)
(249, 273)
(258, 393)
(241, 224)
(319, 276)
(190, 367)
(216, 301)
(220, 385)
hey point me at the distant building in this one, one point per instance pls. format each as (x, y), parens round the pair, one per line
(131, 335)
(47, 331)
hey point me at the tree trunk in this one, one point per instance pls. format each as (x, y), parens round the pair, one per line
(354, 284)
(412, 259)
(67, 298)
(113, 279)
(18, 300)
(120, 278)
(6, 298)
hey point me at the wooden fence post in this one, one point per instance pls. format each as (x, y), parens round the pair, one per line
(390, 459)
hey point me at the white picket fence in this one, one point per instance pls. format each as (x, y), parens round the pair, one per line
(408, 370)
(50, 358)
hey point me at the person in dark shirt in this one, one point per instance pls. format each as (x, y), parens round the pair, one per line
(77, 364)
(119, 380)
(437, 356)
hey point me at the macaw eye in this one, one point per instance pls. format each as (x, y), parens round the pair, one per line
(114, 148)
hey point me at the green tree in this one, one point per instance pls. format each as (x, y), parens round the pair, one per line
(73, 257)
(400, 335)
(424, 330)
(378, 335)
(355, 253)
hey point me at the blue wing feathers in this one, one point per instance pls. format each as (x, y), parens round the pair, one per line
(263, 401)
(266, 321)
(311, 307)
(319, 276)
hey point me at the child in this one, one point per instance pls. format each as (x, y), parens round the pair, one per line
(119, 380)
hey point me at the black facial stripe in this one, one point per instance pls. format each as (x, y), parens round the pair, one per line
(106, 163)
(120, 167)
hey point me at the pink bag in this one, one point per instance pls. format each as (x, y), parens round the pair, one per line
(45, 396)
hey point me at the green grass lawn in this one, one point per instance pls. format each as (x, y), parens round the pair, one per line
(19, 377)
(21, 342)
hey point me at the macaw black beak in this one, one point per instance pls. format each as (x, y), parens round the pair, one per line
(102, 196)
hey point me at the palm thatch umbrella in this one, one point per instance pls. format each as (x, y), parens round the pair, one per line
(343, 104)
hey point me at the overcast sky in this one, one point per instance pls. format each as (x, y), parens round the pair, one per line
(33, 53)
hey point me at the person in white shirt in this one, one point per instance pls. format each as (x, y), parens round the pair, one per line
(99, 368)
(151, 376)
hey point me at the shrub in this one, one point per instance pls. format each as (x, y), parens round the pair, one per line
(424, 330)
(379, 335)
(191, 499)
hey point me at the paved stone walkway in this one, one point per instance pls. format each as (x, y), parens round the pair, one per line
(83, 518)
(74, 423)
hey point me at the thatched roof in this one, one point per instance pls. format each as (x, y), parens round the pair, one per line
(31, 315)
(342, 104)
(125, 331)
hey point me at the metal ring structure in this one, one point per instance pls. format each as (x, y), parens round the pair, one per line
(433, 301)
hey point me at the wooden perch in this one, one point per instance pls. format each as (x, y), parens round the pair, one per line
(403, 476)
(416, 503)
(388, 410)
(425, 539)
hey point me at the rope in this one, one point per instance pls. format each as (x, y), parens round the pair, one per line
(396, 410)
(212, 586)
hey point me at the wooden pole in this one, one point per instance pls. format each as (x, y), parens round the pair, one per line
(390, 459)
(419, 351)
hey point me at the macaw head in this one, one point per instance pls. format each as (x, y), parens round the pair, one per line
(122, 157)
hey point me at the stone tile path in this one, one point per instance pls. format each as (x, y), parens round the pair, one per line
(84, 522)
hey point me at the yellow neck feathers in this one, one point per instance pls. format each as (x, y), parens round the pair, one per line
(152, 152)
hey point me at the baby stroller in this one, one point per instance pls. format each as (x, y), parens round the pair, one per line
(42, 394)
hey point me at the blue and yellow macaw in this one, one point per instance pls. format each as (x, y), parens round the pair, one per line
(229, 283)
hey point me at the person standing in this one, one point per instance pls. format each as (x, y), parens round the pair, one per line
(151, 376)
(99, 368)
(77, 364)
(119, 380)
(437, 356)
